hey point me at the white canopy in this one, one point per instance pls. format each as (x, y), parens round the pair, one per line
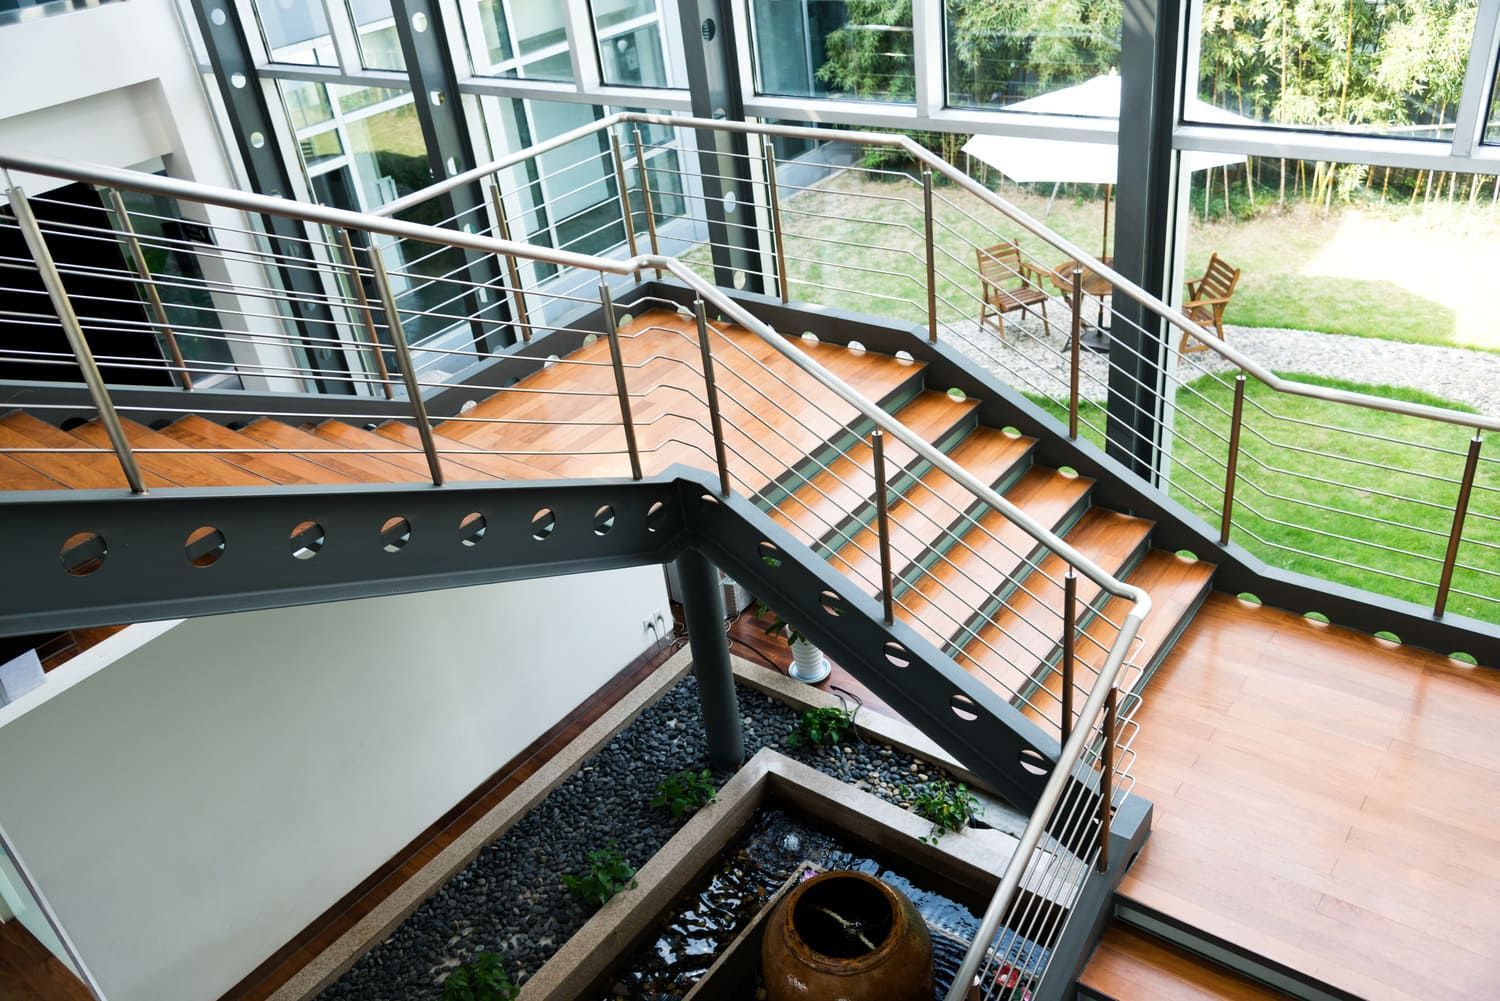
(1026, 159)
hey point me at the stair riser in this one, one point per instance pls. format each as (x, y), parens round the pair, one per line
(793, 479)
(1087, 613)
(899, 482)
(1217, 950)
(982, 615)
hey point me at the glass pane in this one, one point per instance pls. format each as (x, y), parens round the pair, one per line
(539, 24)
(859, 49)
(1001, 55)
(306, 103)
(489, 17)
(634, 59)
(1393, 69)
(608, 13)
(296, 32)
(375, 24)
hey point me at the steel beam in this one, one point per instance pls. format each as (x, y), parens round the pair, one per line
(239, 84)
(723, 158)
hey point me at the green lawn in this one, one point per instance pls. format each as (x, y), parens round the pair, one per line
(1345, 496)
(1389, 271)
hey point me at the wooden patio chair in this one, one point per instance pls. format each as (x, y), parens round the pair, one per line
(1207, 297)
(1008, 282)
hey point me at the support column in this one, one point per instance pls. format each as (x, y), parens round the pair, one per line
(244, 98)
(723, 158)
(703, 609)
(434, 81)
(1150, 48)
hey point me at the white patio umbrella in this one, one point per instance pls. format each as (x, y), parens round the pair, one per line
(1025, 159)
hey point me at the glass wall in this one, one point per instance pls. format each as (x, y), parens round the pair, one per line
(296, 32)
(1003, 53)
(1492, 132)
(375, 27)
(1392, 69)
(517, 38)
(630, 45)
(852, 49)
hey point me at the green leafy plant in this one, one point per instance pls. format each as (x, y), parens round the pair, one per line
(948, 805)
(778, 626)
(821, 727)
(482, 979)
(608, 873)
(685, 793)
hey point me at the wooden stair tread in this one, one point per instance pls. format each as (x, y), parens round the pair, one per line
(1175, 585)
(81, 470)
(199, 432)
(357, 467)
(1028, 628)
(660, 350)
(379, 447)
(496, 466)
(988, 554)
(186, 469)
(935, 500)
(1129, 965)
(16, 475)
(848, 482)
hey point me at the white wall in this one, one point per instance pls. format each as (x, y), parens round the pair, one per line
(192, 806)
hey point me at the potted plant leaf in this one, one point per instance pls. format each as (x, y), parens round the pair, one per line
(809, 666)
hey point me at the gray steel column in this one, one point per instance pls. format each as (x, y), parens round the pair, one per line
(723, 158)
(434, 81)
(703, 610)
(1150, 54)
(240, 86)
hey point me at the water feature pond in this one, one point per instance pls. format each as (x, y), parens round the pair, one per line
(704, 920)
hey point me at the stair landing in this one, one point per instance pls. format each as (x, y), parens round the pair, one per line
(1326, 800)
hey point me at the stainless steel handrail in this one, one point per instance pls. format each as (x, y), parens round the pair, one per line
(938, 165)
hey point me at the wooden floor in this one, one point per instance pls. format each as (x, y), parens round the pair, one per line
(1131, 966)
(28, 972)
(1326, 800)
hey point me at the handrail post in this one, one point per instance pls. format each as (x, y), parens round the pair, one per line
(1075, 303)
(73, 331)
(932, 328)
(404, 363)
(618, 364)
(1070, 627)
(625, 210)
(783, 283)
(711, 388)
(883, 525)
(368, 312)
(143, 271)
(647, 201)
(1107, 774)
(1232, 463)
(1456, 534)
(517, 294)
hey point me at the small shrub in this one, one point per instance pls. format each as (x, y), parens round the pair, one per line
(685, 793)
(608, 873)
(821, 727)
(948, 805)
(483, 979)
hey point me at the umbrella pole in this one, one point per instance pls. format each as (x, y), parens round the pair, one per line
(1104, 253)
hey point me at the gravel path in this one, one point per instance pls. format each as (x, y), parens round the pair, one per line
(511, 900)
(1038, 363)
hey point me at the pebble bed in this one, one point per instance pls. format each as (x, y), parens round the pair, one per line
(511, 900)
(1035, 361)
